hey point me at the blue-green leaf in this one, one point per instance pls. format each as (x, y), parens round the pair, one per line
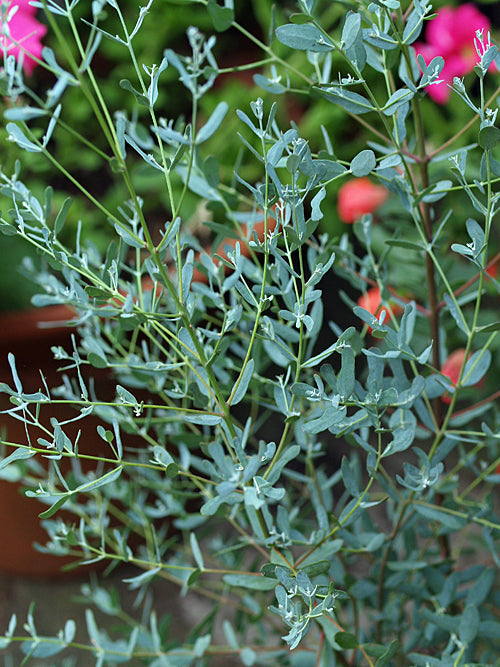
(213, 123)
(414, 25)
(304, 37)
(242, 387)
(348, 478)
(201, 418)
(329, 417)
(17, 455)
(396, 100)
(37, 648)
(195, 548)
(253, 581)
(18, 136)
(165, 459)
(469, 624)
(456, 313)
(346, 379)
(351, 29)
(450, 521)
(24, 113)
(363, 163)
(130, 239)
(352, 102)
(476, 367)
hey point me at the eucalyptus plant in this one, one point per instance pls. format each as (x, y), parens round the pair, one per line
(323, 482)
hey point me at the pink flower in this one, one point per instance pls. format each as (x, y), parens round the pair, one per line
(25, 6)
(27, 32)
(359, 196)
(451, 35)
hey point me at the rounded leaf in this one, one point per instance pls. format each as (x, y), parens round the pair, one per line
(303, 37)
(488, 136)
(363, 163)
(346, 640)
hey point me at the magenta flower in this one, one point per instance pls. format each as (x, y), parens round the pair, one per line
(27, 32)
(451, 35)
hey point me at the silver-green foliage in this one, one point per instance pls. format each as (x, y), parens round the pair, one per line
(239, 398)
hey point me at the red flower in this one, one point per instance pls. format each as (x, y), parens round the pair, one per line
(451, 369)
(357, 197)
(451, 35)
(27, 32)
(492, 270)
(371, 301)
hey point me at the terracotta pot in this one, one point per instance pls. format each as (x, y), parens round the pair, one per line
(29, 335)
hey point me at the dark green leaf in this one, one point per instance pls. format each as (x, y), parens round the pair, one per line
(404, 244)
(139, 97)
(299, 18)
(346, 640)
(315, 569)
(53, 508)
(385, 658)
(489, 136)
(222, 17)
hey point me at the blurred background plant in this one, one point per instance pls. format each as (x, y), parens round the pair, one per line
(235, 84)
